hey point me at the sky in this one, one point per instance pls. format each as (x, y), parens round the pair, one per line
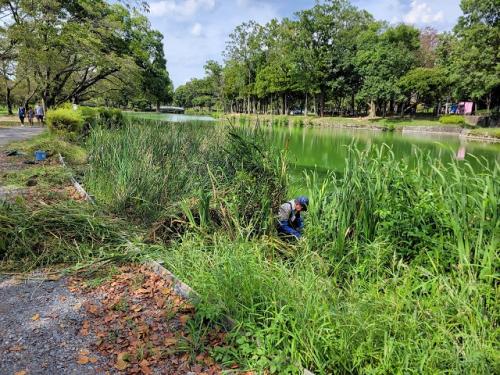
(197, 30)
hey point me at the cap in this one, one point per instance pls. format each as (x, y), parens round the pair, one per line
(304, 202)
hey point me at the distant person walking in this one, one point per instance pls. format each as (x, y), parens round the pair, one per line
(39, 113)
(31, 115)
(21, 112)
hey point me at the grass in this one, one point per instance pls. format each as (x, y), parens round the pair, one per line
(382, 123)
(397, 271)
(53, 145)
(486, 132)
(44, 176)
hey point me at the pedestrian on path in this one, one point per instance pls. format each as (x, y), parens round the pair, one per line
(31, 115)
(39, 113)
(21, 112)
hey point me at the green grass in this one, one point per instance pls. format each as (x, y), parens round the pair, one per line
(397, 271)
(53, 145)
(486, 132)
(396, 274)
(45, 176)
(279, 120)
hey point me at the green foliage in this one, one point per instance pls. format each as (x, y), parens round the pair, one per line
(52, 145)
(452, 119)
(392, 254)
(65, 121)
(58, 233)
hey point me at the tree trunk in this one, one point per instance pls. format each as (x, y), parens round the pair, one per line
(158, 106)
(353, 103)
(321, 103)
(373, 109)
(305, 107)
(283, 104)
(8, 100)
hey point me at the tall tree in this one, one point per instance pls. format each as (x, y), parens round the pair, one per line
(476, 58)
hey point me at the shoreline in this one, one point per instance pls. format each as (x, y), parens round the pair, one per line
(427, 126)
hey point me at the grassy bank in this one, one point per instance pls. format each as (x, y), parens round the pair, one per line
(354, 122)
(485, 132)
(397, 271)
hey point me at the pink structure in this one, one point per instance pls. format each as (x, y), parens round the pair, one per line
(465, 108)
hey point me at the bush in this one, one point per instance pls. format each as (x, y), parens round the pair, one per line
(65, 121)
(452, 119)
(111, 118)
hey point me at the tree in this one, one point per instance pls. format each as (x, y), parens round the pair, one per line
(69, 49)
(476, 58)
(425, 85)
(384, 55)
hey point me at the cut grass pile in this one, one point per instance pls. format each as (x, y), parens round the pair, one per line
(43, 176)
(53, 145)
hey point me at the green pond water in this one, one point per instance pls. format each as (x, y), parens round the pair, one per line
(325, 149)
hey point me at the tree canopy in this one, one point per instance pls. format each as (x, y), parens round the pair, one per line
(81, 50)
(335, 58)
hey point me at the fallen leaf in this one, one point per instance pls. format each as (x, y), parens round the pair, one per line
(22, 372)
(121, 363)
(35, 317)
(169, 341)
(84, 352)
(93, 359)
(83, 360)
(17, 348)
(184, 318)
(144, 365)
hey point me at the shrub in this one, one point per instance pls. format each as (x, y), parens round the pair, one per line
(111, 118)
(452, 119)
(65, 121)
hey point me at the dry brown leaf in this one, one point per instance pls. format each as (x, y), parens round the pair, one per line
(84, 352)
(184, 318)
(83, 360)
(17, 348)
(144, 365)
(92, 359)
(169, 341)
(35, 317)
(22, 372)
(121, 363)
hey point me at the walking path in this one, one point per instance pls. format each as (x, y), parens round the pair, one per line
(17, 133)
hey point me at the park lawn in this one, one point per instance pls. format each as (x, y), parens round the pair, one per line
(486, 132)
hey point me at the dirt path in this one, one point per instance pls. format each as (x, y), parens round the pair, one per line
(126, 321)
(17, 133)
(39, 325)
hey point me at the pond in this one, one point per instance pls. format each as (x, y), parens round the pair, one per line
(173, 117)
(324, 149)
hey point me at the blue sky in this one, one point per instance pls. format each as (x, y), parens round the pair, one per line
(196, 30)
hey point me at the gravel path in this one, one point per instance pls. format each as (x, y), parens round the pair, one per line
(17, 133)
(39, 329)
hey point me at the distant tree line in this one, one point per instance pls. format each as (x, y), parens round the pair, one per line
(335, 58)
(56, 51)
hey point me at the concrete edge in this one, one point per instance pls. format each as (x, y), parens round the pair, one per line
(76, 184)
(187, 292)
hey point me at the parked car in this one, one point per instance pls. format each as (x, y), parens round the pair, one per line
(296, 112)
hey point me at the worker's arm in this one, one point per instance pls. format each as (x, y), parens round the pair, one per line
(287, 229)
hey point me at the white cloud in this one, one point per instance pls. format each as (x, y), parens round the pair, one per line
(183, 8)
(196, 29)
(421, 13)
